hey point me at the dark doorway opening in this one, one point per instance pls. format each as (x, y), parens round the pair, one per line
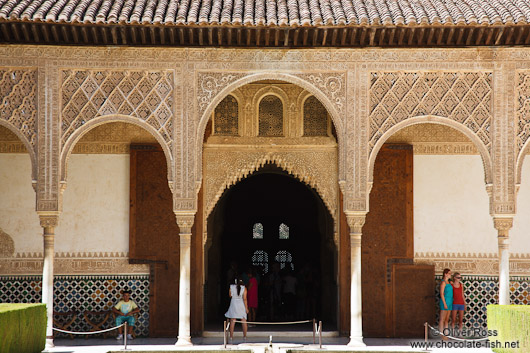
(280, 227)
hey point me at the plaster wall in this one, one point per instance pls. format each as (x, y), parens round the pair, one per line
(95, 215)
(451, 206)
(17, 203)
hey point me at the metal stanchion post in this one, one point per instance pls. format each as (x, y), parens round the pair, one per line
(125, 336)
(224, 333)
(314, 327)
(426, 336)
(320, 334)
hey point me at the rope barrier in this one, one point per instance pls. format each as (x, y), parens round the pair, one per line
(456, 338)
(87, 333)
(274, 323)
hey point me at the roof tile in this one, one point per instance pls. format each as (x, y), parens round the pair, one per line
(272, 12)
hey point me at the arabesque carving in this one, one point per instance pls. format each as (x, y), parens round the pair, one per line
(18, 95)
(465, 97)
(7, 245)
(224, 167)
(147, 95)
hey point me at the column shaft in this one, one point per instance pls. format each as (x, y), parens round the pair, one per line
(503, 226)
(356, 337)
(47, 281)
(184, 337)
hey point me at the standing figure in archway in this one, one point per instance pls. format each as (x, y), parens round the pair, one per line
(252, 294)
(446, 301)
(238, 307)
(459, 302)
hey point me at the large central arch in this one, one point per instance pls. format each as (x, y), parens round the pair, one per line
(271, 197)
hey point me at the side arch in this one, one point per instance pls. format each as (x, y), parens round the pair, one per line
(80, 132)
(520, 160)
(334, 114)
(26, 143)
(486, 159)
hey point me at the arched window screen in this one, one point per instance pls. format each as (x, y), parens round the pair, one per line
(285, 258)
(257, 231)
(271, 116)
(284, 231)
(225, 117)
(261, 259)
(315, 118)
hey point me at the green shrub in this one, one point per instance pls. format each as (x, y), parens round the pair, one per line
(22, 328)
(512, 325)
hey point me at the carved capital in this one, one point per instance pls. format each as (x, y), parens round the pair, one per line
(503, 225)
(49, 220)
(185, 239)
(356, 222)
(185, 222)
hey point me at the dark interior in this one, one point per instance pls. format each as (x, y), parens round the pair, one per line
(271, 197)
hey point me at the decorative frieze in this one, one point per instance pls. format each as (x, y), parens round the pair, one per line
(71, 263)
(474, 264)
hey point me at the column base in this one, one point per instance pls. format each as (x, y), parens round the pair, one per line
(184, 341)
(49, 343)
(356, 342)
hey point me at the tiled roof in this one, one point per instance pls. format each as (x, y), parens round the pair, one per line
(270, 12)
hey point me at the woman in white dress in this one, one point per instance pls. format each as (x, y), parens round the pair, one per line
(238, 307)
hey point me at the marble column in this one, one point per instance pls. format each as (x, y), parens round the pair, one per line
(48, 223)
(503, 226)
(356, 223)
(185, 223)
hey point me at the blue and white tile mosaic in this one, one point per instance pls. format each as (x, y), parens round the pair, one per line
(483, 290)
(80, 294)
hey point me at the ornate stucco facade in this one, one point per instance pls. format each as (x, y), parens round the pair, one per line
(56, 100)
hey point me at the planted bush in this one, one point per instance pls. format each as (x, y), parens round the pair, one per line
(22, 328)
(510, 328)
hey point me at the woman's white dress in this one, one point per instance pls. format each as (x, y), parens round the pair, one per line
(237, 305)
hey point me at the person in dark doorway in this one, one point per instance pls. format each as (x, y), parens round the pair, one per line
(446, 301)
(275, 285)
(252, 295)
(124, 310)
(238, 307)
(289, 292)
(459, 302)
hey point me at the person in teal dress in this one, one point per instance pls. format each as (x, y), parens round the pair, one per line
(446, 301)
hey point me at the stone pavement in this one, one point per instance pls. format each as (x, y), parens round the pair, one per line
(291, 344)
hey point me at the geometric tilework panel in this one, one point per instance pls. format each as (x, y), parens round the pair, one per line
(483, 290)
(465, 97)
(80, 293)
(147, 95)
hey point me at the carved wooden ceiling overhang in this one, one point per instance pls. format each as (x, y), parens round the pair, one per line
(267, 23)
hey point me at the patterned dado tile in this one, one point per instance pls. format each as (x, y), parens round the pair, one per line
(480, 291)
(80, 294)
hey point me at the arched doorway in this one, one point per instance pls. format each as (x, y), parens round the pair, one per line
(279, 227)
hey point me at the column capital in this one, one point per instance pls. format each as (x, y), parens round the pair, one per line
(185, 221)
(503, 225)
(356, 222)
(49, 219)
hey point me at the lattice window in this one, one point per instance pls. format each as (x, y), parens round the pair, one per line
(257, 231)
(271, 116)
(315, 118)
(284, 231)
(261, 259)
(285, 258)
(226, 117)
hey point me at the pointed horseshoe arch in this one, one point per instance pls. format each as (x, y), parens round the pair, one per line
(281, 163)
(26, 143)
(486, 159)
(335, 116)
(76, 136)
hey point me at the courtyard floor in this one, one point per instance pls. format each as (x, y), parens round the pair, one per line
(284, 344)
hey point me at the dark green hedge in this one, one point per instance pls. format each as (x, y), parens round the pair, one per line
(510, 328)
(22, 328)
